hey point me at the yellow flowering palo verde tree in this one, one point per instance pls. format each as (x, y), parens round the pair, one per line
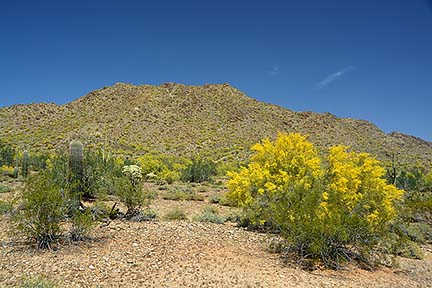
(329, 208)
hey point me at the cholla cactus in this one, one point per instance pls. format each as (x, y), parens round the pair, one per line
(133, 172)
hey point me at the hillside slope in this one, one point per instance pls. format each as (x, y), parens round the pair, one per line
(182, 120)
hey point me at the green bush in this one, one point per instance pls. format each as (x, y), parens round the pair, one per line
(5, 207)
(100, 170)
(101, 210)
(7, 154)
(82, 223)
(202, 189)
(132, 196)
(399, 243)
(41, 211)
(227, 201)
(418, 206)
(57, 169)
(210, 214)
(130, 191)
(199, 170)
(7, 171)
(163, 168)
(145, 215)
(215, 198)
(176, 214)
(38, 161)
(4, 188)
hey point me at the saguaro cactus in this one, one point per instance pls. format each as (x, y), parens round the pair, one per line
(76, 170)
(25, 164)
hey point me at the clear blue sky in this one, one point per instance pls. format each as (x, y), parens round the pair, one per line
(369, 59)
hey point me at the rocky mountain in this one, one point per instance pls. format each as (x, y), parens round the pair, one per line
(217, 120)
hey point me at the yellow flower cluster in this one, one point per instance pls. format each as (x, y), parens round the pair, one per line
(291, 160)
(357, 186)
(290, 175)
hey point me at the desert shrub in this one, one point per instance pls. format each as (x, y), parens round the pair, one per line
(419, 232)
(100, 169)
(161, 167)
(210, 214)
(150, 164)
(202, 189)
(227, 166)
(7, 171)
(38, 161)
(101, 210)
(234, 216)
(227, 201)
(199, 170)
(81, 224)
(410, 179)
(176, 214)
(40, 211)
(130, 190)
(151, 194)
(194, 196)
(414, 223)
(145, 215)
(7, 154)
(5, 207)
(399, 242)
(174, 195)
(4, 188)
(428, 181)
(215, 198)
(418, 206)
(330, 212)
(169, 176)
(57, 169)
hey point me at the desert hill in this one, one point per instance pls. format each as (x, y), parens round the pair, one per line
(182, 120)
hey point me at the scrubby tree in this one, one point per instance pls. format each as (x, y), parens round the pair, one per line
(41, 210)
(330, 209)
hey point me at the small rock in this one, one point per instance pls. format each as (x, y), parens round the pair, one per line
(135, 245)
(91, 267)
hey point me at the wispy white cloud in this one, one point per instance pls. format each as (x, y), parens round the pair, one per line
(273, 71)
(332, 77)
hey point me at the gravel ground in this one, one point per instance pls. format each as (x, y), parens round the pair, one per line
(185, 254)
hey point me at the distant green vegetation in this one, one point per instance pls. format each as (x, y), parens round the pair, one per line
(4, 188)
(213, 121)
(7, 154)
(51, 205)
(176, 214)
(330, 207)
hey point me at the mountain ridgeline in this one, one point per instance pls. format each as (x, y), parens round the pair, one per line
(215, 120)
